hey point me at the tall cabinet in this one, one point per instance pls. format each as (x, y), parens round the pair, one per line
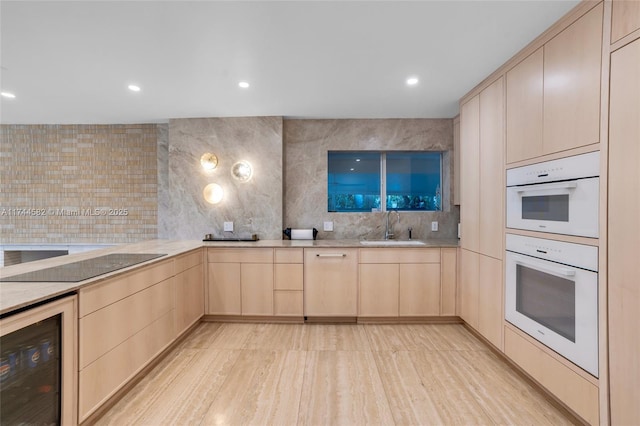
(482, 211)
(624, 234)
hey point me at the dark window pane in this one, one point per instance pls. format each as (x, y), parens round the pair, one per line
(413, 181)
(354, 181)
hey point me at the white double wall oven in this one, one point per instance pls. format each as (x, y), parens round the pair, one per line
(551, 285)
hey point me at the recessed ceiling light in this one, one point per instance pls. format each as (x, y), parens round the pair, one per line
(412, 81)
(7, 95)
(357, 159)
(134, 88)
(244, 84)
(352, 169)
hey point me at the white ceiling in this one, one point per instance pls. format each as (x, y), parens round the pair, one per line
(71, 62)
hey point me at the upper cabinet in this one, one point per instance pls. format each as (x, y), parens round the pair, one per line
(625, 18)
(470, 173)
(524, 108)
(553, 96)
(572, 67)
(456, 160)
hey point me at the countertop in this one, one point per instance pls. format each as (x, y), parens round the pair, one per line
(17, 295)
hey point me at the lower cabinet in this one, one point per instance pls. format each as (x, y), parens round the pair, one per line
(288, 282)
(240, 281)
(407, 282)
(189, 288)
(481, 295)
(572, 388)
(124, 323)
(331, 282)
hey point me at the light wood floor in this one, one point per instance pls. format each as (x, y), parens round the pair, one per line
(286, 374)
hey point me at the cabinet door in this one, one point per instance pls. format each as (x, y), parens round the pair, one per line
(189, 297)
(470, 173)
(257, 288)
(469, 284)
(419, 289)
(572, 67)
(456, 161)
(524, 108)
(624, 234)
(288, 276)
(625, 18)
(491, 158)
(287, 303)
(224, 289)
(449, 279)
(379, 287)
(330, 282)
(490, 300)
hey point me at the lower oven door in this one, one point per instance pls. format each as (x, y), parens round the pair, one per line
(569, 207)
(555, 304)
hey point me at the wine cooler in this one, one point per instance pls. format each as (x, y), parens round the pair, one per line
(37, 365)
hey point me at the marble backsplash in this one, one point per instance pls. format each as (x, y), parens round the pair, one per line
(254, 206)
(306, 144)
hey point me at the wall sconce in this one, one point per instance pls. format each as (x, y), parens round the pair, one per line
(209, 161)
(213, 193)
(242, 171)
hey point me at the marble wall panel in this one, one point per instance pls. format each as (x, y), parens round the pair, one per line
(306, 144)
(255, 206)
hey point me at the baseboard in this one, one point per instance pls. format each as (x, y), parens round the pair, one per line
(410, 320)
(254, 319)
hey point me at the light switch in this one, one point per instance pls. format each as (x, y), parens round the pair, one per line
(228, 227)
(434, 226)
(328, 226)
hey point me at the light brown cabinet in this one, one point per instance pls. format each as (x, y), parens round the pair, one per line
(469, 287)
(572, 68)
(524, 108)
(625, 18)
(470, 174)
(490, 300)
(456, 160)
(624, 234)
(240, 281)
(331, 282)
(189, 287)
(124, 323)
(288, 282)
(399, 282)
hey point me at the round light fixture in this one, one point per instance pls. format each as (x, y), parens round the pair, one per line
(134, 88)
(209, 161)
(213, 193)
(7, 95)
(244, 84)
(242, 171)
(412, 81)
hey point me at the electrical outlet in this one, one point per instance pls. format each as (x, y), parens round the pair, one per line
(434, 226)
(328, 226)
(228, 227)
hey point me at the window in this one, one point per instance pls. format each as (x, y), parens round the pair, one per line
(379, 181)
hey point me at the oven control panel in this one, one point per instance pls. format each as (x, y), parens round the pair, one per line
(578, 255)
(575, 167)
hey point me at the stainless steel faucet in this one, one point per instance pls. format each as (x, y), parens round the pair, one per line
(388, 233)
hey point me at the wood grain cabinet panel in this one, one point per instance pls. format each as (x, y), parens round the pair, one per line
(449, 280)
(624, 235)
(490, 300)
(456, 160)
(470, 174)
(625, 18)
(491, 167)
(379, 289)
(572, 68)
(288, 303)
(224, 289)
(288, 276)
(256, 280)
(524, 108)
(469, 286)
(419, 289)
(189, 305)
(331, 282)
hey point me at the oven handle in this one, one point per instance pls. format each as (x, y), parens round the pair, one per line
(548, 268)
(548, 186)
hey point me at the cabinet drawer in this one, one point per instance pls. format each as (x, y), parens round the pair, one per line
(400, 255)
(188, 260)
(289, 255)
(240, 255)
(569, 387)
(288, 276)
(100, 295)
(287, 303)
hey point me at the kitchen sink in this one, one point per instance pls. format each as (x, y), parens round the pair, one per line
(392, 243)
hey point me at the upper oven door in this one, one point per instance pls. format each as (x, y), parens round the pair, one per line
(569, 207)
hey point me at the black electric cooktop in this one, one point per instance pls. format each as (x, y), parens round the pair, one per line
(84, 269)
